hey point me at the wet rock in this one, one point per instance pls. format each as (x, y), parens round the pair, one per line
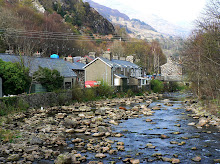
(176, 133)
(173, 142)
(80, 130)
(135, 161)
(105, 149)
(119, 135)
(70, 122)
(113, 122)
(70, 131)
(216, 160)
(196, 159)
(112, 151)
(120, 143)
(121, 148)
(103, 129)
(165, 159)
(181, 143)
(60, 115)
(175, 160)
(156, 108)
(98, 134)
(100, 155)
(64, 159)
(77, 140)
(148, 120)
(13, 157)
(163, 136)
(202, 122)
(36, 141)
(193, 148)
(191, 123)
(150, 146)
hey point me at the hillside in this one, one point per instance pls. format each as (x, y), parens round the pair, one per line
(135, 27)
(51, 26)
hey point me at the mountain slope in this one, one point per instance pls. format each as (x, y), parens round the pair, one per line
(135, 27)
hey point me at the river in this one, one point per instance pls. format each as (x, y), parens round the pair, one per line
(188, 141)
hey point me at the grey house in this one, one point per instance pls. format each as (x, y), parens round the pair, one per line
(1, 87)
(114, 72)
(65, 68)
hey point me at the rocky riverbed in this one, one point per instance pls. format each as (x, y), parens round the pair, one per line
(135, 130)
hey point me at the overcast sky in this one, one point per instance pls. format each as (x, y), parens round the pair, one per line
(175, 11)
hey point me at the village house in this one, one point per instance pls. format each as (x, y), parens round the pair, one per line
(171, 71)
(65, 68)
(117, 73)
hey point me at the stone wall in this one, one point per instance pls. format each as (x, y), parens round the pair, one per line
(47, 99)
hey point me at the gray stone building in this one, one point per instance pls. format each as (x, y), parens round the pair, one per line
(171, 71)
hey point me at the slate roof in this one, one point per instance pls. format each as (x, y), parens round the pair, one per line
(125, 64)
(65, 68)
(116, 63)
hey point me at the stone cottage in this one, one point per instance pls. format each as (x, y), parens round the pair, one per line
(171, 71)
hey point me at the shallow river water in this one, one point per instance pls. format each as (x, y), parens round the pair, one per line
(137, 133)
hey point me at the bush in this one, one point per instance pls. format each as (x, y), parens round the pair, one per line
(104, 90)
(157, 86)
(90, 94)
(12, 104)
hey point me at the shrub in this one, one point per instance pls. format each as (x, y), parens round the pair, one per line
(157, 86)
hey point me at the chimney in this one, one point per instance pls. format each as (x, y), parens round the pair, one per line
(115, 57)
(121, 58)
(107, 55)
(130, 59)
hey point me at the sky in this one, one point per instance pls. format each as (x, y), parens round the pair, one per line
(175, 11)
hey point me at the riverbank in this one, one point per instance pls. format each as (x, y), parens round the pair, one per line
(205, 117)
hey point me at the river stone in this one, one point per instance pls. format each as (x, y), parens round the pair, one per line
(121, 148)
(100, 155)
(191, 123)
(148, 120)
(64, 159)
(163, 136)
(135, 161)
(217, 160)
(35, 141)
(156, 108)
(102, 129)
(70, 131)
(113, 122)
(119, 135)
(60, 115)
(175, 160)
(165, 159)
(98, 134)
(196, 159)
(13, 157)
(77, 140)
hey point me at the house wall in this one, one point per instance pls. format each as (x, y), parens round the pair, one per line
(133, 81)
(68, 82)
(80, 77)
(1, 87)
(98, 71)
